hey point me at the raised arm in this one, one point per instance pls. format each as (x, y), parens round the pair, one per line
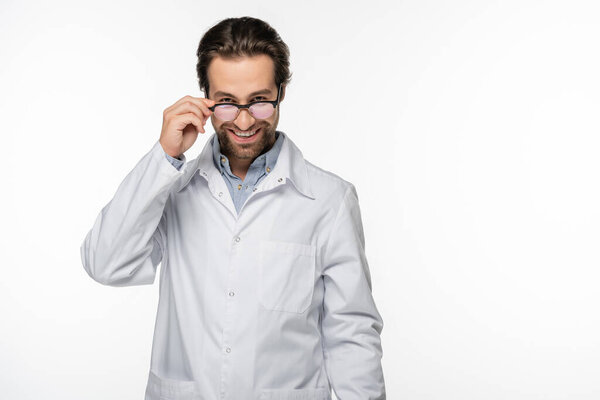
(126, 242)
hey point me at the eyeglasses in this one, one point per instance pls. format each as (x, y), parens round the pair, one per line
(258, 109)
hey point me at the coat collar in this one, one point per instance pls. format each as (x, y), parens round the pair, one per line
(290, 165)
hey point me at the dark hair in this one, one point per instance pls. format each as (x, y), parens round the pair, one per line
(238, 37)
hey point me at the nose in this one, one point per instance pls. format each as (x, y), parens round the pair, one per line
(244, 119)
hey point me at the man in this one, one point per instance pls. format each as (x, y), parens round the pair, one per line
(265, 290)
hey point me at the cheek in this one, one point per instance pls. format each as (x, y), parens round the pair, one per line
(215, 122)
(270, 121)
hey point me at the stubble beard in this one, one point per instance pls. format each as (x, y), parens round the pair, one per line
(246, 151)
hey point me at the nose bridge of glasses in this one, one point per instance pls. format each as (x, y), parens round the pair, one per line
(240, 118)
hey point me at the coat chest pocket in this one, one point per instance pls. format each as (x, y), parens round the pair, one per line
(286, 275)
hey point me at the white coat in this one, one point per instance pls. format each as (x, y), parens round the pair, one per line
(273, 303)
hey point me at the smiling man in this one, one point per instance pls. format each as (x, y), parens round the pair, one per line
(265, 289)
(243, 136)
(239, 81)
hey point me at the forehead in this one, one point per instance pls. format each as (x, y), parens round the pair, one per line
(241, 75)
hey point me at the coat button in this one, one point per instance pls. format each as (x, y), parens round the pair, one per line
(228, 349)
(220, 194)
(231, 294)
(237, 239)
(279, 180)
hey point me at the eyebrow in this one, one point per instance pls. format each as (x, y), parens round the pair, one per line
(225, 94)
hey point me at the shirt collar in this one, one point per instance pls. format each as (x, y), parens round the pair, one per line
(290, 165)
(267, 159)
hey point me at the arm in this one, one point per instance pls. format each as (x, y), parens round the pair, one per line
(126, 242)
(351, 324)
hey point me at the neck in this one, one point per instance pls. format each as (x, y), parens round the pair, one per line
(239, 167)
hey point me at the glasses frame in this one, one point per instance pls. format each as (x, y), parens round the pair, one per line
(274, 103)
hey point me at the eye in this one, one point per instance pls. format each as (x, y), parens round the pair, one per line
(225, 100)
(259, 98)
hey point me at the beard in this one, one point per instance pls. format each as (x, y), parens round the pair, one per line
(247, 151)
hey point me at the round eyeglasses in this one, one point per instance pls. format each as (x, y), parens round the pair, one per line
(258, 109)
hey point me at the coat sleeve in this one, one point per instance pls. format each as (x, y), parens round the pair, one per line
(351, 324)
(126, 242)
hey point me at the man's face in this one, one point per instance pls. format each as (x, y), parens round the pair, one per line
(238, 81)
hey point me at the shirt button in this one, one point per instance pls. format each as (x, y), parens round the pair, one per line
(223, 159)
(228, 349)
(231, 294)
(239, 187)
(268, 169)
(237, 239)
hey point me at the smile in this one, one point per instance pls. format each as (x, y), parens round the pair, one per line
(245, 134)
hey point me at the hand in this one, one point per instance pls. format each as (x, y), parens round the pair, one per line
(182, 122)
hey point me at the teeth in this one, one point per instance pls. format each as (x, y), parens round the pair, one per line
(244, 134)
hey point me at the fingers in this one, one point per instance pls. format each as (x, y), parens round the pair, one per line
(197, 105)
(189, 106)
(183, 120)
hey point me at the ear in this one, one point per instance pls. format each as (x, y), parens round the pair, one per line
(282, 94)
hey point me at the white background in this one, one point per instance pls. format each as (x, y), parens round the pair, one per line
(470, 129)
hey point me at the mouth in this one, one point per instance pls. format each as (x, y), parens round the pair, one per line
(244, 136)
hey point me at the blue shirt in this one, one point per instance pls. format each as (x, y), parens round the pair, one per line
(259, 168)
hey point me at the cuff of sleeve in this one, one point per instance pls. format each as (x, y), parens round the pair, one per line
(177, 163)
(170, 168)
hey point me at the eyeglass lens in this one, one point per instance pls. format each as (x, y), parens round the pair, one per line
(258, 110)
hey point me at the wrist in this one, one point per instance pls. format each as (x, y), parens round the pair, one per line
(177, 156)
(170, 154)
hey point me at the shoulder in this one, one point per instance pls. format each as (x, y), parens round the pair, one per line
(324, 184)
(328, 185)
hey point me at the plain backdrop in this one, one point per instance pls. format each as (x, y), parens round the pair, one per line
(469, 128)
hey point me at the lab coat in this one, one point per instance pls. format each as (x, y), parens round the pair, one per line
(273, 303)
